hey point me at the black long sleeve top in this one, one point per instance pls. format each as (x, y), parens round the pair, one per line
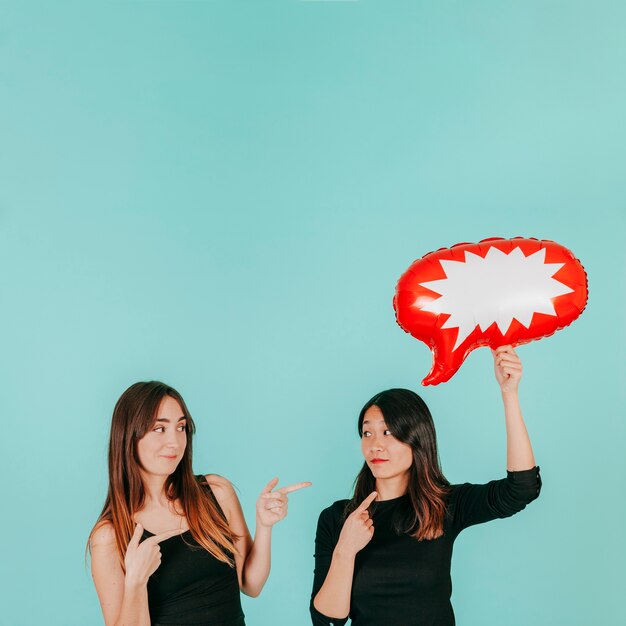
(400, 581)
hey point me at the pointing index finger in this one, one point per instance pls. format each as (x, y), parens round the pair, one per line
(366, 502)
(295, 487)
(165, 535)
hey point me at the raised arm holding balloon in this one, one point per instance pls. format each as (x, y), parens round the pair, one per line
(508, 369)
(198, 554)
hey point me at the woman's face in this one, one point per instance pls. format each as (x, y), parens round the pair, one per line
(161, 448)
(384, 454)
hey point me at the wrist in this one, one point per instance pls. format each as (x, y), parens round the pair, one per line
(263, 528)
(133, 584)
(343, 553)
(509, 396)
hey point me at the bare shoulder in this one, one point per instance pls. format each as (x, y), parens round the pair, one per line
(103, 535)
(229, 503)
(224, 493)
(220, 485)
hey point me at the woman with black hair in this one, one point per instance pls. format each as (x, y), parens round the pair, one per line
(383, 557)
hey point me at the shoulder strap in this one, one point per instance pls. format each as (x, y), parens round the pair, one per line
(204, 484)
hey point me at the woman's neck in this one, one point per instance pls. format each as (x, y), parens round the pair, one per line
(389, 488)
(154, 487)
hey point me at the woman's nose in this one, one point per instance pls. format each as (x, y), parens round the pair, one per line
(171, 441)
(375, 443)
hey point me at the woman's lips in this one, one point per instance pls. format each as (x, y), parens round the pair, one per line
(379, 460)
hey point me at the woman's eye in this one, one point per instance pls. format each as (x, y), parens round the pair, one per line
(366, 433)
(387, 432)
(182, 427)
(159, 429)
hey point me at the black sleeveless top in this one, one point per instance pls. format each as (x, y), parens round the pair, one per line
(191, 587)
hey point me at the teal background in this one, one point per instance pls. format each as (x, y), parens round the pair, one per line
(222, 195)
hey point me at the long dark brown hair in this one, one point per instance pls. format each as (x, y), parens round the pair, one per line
(134, 415)
(408, 419)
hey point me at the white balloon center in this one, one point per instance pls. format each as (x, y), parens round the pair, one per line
(498, 288)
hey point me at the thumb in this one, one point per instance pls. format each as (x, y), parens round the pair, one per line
(270, 485)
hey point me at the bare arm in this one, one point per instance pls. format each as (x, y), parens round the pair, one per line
(124, 597)
(253, 557)
(257, 566)
(121, 603)
(229, 502)
(508, 370)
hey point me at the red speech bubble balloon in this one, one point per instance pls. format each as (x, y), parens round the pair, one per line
(492, 293)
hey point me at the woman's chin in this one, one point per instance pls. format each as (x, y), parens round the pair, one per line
(379, 473)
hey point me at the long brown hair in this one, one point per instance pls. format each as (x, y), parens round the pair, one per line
(134, 414)
(409, 420)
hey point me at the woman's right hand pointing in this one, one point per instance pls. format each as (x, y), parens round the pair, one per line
(143, 559)
(358, 529)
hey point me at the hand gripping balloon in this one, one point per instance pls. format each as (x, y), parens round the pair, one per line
(496, 292)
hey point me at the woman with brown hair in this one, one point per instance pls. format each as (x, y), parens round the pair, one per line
(384, 556)
(171, 548)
